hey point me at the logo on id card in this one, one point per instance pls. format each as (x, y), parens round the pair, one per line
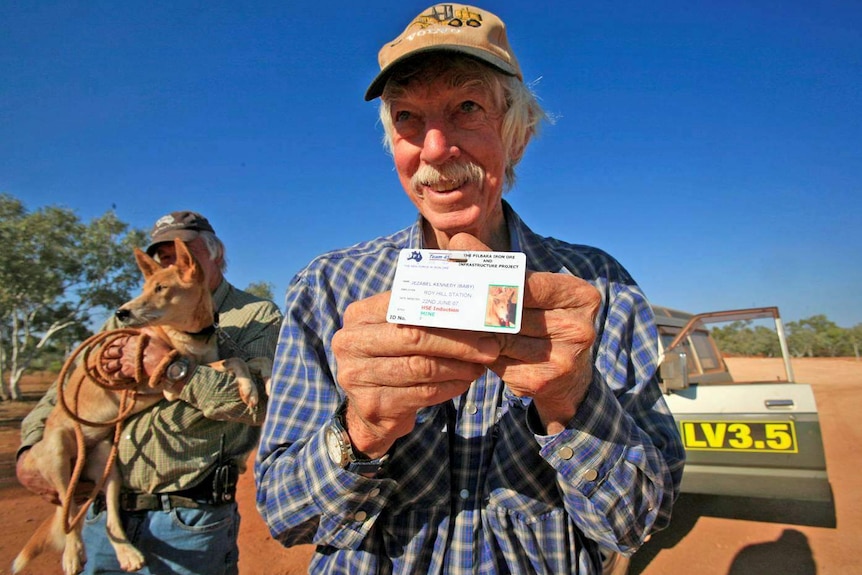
(478, 291)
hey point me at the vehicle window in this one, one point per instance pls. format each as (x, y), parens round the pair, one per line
(667, 335)
(709, 360)
(666, 338)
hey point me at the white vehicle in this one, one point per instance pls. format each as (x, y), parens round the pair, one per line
(749, 441)
(742, 438)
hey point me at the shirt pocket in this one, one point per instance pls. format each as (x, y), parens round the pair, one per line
(520, 482)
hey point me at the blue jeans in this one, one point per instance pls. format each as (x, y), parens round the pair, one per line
(174, 541)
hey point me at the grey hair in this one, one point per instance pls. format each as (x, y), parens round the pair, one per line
(215, 247)
(522, 114)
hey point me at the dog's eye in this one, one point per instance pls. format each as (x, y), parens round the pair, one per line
(159, 288)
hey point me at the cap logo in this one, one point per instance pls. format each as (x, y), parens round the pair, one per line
(446, 14)
(443, 14)
(165, 221)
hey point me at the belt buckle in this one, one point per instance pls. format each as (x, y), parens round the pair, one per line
(128, 501)
(133, 502)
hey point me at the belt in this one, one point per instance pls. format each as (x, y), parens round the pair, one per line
(156, 501)
(193, 498)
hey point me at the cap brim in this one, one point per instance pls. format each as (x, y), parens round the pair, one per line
(169, 236)
(376, 87)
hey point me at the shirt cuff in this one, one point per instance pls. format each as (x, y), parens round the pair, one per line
(593, 443)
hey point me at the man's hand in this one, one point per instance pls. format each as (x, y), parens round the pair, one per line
(550, 359)
(30, 477)
(120, 359)
(391, 371)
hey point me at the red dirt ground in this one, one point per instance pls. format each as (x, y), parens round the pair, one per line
(708, 536)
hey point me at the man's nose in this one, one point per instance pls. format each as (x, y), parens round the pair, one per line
(439, 145)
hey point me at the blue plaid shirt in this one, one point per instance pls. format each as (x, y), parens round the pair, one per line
(474, 488)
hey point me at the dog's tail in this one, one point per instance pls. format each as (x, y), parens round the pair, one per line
(49, 535)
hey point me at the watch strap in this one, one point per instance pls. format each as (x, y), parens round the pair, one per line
(366, 467)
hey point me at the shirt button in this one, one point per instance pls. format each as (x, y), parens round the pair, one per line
(566, 453)
(591, 474)
(464, 494)
(472, 409)
(374, 492)
(360, 516)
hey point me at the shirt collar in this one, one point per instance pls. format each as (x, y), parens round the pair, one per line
(220, 294)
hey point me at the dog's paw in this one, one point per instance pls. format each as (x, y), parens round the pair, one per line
(74, 558)
(249, 394)
(130, 558)
(261, 367)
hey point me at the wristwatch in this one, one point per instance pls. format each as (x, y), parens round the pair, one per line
(340, 450)
(178, 370)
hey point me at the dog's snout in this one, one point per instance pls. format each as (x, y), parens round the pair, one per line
(122, 314)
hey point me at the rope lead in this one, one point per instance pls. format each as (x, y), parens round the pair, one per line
(94, 372)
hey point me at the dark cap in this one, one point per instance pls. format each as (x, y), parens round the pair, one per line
(184, 225)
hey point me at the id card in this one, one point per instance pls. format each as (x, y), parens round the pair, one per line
(477, 291)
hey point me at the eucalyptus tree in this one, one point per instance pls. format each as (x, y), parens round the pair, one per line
(57, 273)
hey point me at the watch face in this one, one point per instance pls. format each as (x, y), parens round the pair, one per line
(333, 446)
(177, 370)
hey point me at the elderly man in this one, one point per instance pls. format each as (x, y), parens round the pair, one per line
(404, 449)
(179, 459)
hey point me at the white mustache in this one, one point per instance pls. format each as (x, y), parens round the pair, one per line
(447, 176)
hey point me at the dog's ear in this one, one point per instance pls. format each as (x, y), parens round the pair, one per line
(186, 263)
(146, 264)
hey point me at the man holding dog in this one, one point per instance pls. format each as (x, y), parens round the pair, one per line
(404, 449)
(179, 459)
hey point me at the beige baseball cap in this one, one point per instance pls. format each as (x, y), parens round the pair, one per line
(453, 28)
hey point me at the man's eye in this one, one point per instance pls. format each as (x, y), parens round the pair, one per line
(402, 116)
(469, 106)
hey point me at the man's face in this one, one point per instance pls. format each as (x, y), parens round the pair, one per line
(437, 131)
(166, 254)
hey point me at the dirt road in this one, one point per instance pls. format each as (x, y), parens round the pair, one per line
(708, 536)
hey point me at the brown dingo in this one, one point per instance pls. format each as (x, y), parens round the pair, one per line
(497, 311)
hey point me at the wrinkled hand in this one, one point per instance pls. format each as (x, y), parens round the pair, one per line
(120, 357)
(550, 359)
(30, 477)
(391, 371)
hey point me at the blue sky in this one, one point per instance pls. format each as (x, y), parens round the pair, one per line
(714, 148)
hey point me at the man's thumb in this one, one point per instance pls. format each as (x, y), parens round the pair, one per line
(466, 242)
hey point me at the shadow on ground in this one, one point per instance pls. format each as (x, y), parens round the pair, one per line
(790, 554)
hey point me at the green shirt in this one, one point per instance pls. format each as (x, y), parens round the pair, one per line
(174, 445)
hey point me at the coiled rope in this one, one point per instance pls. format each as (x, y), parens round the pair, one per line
(94, 371)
